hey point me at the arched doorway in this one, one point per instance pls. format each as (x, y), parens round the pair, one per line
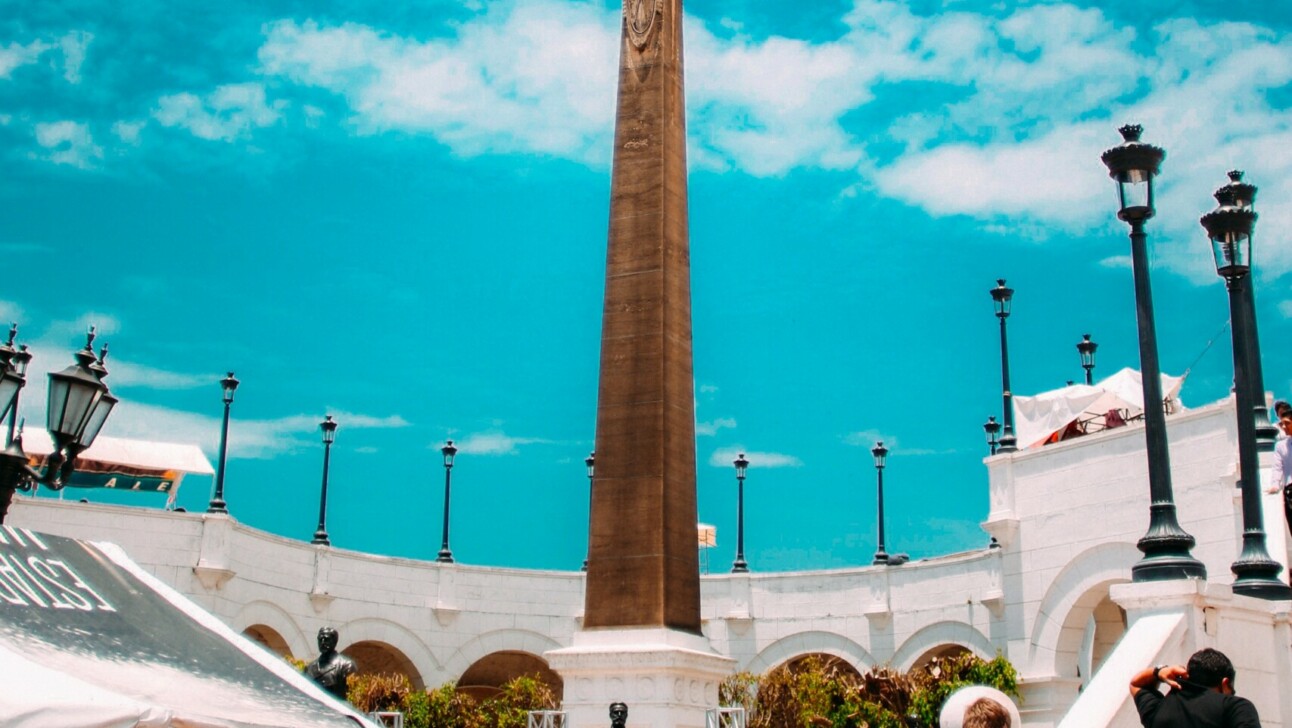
(1090, 631)
(371, 657)
(941, 652)
(830, 663)
(269, 638)
(486, 676)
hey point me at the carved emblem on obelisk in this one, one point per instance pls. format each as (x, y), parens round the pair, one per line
(639, 17)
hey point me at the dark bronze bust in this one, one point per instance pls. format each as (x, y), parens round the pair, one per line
(331, 668)
(618, 715)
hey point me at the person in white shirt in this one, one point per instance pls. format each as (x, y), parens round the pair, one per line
(1282, 450)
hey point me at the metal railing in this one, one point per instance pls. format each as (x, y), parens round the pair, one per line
(724, 718)
(546, 719)
(390, 719)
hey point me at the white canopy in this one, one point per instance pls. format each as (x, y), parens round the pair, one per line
(142, 454)
(1038, 418)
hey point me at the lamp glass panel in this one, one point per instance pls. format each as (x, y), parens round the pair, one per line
(1136, 189)
(1232, 252)
(97, 418)
(71, 400)
(9, 386)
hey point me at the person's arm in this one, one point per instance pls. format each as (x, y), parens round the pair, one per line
(1277, 476)
(1150, 677)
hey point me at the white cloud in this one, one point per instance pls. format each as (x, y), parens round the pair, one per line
(868, 438)
(493, 442)
(723, 457)
(711, 428)
(15, 54)
(128, 374)
(708, 388)
(73, 46)
(1116, 261)
(10, 311)
(533, 77)
(128, 131)
(68, 142)
(230, 112)
(105, 324)
(1285, 308)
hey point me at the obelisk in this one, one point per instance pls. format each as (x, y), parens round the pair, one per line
(641, 641)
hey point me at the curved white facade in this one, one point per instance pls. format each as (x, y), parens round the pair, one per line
(1066, 516)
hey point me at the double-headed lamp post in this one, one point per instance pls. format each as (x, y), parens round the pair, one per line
(1133, 165)
(1001, 296)
(881, 453)
(1242, 195)
(448, 451)
(591, 462)
(79, 404)
(229, 385)
(328, 426)
(992, 428)
(1086, 348)
(740, 566)
(1230, 229)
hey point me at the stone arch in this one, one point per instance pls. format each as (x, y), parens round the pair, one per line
(379, 645)
(269, 638)
(266, 618)
(940, 652)
(941, 638)
(503, 640)
(795, 646)
(1072, 600)
(487, 675)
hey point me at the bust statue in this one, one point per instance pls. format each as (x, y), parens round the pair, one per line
(618, 715)
(331, 668)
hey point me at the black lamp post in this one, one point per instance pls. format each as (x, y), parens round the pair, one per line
(1086, 348)
(1230, 229)
(1242, 195)
(740, 566)
(328, 426)
(992, 428)
(79, 404)
(591, 462)
(1002, 296)
(446, 556)
(1133, 165)
(230, 385)
(13, 376)
(880, 452)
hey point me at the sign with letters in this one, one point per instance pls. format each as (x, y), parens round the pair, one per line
(71, 609)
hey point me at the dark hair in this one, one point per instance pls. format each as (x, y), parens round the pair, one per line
(1208, 667)
(986, 713)
(1281, 409)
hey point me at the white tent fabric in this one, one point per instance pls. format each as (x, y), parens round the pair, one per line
(133, 453)
(1037, 418)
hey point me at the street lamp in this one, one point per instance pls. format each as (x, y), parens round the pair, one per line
(591, 462)
(1242, 195)
(880, 452)
(229, 385)
(1001, 296)
(1230, 229)
(13, 375)
(1086, 348)
(79, 404)
(992, 428)
(446, 556)
(328, 426)
(740, 566)
(1133, 165)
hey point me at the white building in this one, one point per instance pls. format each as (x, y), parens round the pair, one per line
(1055, 598)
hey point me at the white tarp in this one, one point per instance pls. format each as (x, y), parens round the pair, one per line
(1037, 418)
(90, 640)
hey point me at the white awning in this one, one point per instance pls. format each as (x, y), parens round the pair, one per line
(1109, 403)
(141, 454)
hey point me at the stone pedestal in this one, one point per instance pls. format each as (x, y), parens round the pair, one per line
(667, 678)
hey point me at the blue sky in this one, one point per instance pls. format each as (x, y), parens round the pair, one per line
(396, 214)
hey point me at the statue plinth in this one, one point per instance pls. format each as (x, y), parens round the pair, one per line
(667, 678)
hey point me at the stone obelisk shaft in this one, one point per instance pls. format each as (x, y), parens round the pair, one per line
(643, 566)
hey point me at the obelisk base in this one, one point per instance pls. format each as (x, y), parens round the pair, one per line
(668, 679)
